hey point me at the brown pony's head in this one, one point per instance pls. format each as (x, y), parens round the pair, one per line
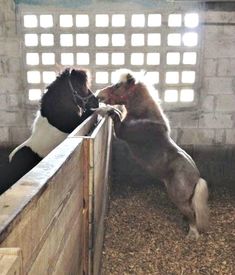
(120, 92)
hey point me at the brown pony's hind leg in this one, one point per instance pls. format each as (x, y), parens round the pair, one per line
(181, 198)
(187, 210)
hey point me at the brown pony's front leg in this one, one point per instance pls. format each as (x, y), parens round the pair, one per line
(116, 116)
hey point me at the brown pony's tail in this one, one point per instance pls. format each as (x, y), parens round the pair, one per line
(199, 203)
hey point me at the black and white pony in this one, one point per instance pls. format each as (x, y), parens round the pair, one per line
(67, 102)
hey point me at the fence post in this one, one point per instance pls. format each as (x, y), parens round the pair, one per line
(11, 261)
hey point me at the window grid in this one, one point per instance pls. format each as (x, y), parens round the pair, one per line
(138, 45)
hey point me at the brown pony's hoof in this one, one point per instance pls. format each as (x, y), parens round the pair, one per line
(107, 110)
(193, 233)
(115, 114)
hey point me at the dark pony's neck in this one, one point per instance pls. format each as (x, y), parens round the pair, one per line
(58, 104)
(141, 105)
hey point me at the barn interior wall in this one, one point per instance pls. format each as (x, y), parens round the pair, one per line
(13, 126)
(211, 122)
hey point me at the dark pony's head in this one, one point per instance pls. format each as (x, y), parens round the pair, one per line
(68, 100)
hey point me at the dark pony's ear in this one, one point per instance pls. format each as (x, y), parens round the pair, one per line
(130, 79)
(79, 75)
(73, 72)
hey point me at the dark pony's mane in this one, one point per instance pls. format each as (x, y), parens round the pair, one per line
(82, 77)
(58, 104)
(62, 76)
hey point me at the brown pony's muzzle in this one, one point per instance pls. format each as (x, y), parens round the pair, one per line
(103, 95)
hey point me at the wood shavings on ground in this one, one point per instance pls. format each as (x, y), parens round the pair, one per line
(145, 233)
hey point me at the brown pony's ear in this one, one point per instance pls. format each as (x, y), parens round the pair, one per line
(130, 79)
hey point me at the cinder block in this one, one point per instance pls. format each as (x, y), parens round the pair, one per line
(226, 67)
(10, 28)
(13, 100)
(10, 83)
(7, 118)
(208, 103)
(15, 65)
(220, 136)
(19, 134)
(2, 31)
(217, 120)
(210, 67)
(10, 47)
(9, 9)
(3, 101)
(12, 118)
(218, 85)
(230, 136)
(196, 136)
(219, 43)
(225, 103)
(4, 135)
(4, 67)
(183, 119)
(220, 17)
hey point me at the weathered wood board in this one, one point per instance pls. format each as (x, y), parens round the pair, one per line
(11, 261)
(54, 215)
(37, 214)
(85, 127)
(100, 163)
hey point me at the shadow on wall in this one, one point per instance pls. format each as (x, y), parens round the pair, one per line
(215, 163)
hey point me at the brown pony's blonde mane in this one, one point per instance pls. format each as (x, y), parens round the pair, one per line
(146, 100)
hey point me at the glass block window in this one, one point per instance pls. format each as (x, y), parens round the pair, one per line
(164, 43)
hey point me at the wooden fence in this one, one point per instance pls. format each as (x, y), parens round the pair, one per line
(52, 219)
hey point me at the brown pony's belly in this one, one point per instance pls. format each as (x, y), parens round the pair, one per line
(153, 162)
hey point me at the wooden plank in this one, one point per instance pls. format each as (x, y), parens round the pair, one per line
(101, 163)
(57, 238)
(85, 127)
(86, 206)
(36, 201)
(11, 261)
(71, 263)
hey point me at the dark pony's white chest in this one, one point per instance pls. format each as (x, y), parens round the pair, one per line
(44, 137)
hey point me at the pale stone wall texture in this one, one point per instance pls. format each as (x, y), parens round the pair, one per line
(211, 122)
(13, 115)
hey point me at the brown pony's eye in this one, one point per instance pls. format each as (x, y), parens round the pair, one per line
(116, 86)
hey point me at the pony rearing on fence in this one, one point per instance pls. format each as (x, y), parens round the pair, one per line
(146, 130)
(67, 102)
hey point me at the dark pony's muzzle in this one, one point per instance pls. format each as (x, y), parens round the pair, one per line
(92, 101)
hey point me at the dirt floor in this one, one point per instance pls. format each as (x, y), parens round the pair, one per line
(145, 233)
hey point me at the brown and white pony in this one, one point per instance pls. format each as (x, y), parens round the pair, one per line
(146, 130)
(67, 102)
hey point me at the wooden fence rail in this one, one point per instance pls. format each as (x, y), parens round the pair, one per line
(54, 214)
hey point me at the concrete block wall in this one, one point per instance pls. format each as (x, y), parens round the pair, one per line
(13, 117)
(210, 122)
(213, 120)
